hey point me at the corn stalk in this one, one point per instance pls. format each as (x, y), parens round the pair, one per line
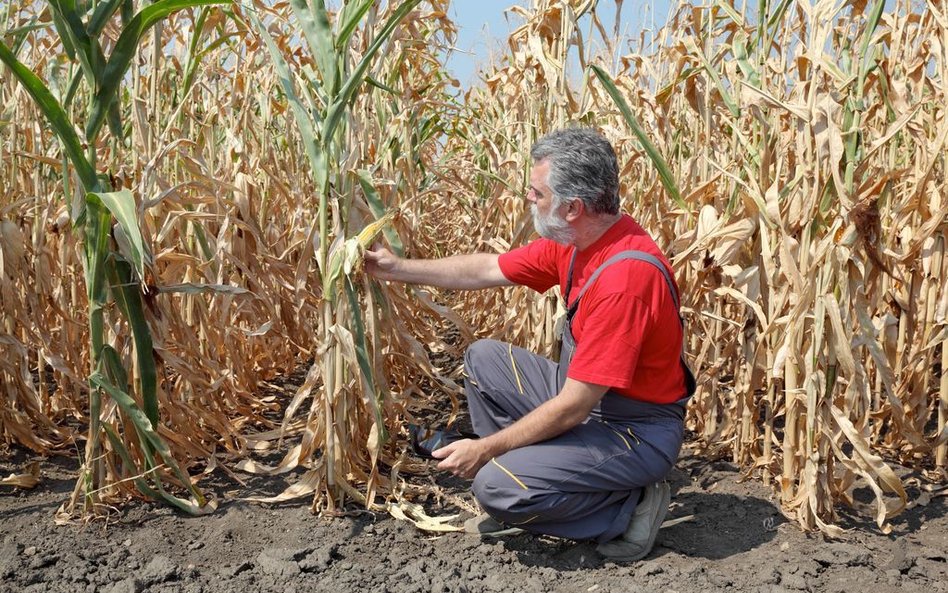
(114, 258)
(322, 100)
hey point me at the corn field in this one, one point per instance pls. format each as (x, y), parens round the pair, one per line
(185, 187)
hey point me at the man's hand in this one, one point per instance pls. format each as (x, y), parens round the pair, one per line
(381, 263)
(462, 458)
(551, 418)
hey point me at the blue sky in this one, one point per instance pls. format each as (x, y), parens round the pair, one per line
(482, 27)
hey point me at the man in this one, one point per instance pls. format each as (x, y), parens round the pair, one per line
(578, 449)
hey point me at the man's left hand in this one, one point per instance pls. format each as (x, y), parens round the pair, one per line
(462, 458)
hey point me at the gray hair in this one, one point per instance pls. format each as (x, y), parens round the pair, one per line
(582, 165)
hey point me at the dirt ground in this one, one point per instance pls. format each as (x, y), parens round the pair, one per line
(736, 541)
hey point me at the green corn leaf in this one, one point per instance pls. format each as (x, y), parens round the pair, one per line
(337, 108)
(149, 470)
(20, 34)
(762, 12)
(886, 93)
(658, 161)
(865, 64)
(430, 128)
(310, 86)
(128, 11)
(89, 53)
(777, 16)
(150, 440)
(119, 447)
(96, 228)
(750, 150)
(115, 121)
(763, 36)
(193, 53)
(197, 506)
(316, 157)
(101, 15)
(122, 206)
(128, 297)
(111, 362)
(349, 19)
(316, 30)
(365, 364)
(739, 50)
(379, 85)
(195, 57)
(201, 235)
(59, 23)
(124, 51)
(54, 113)
(73, 88)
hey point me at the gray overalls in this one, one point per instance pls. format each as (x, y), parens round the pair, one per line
(585, 483)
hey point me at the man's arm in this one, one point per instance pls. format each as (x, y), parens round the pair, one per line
(552, 418)
(464, 272)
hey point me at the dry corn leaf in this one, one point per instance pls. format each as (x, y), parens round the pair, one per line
(415, 514)
(26, 480)
(305, 486)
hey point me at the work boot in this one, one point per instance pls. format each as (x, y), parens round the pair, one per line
(487, 526)
(639, 536)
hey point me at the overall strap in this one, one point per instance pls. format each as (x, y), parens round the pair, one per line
(621, 256)
(569, 276)
(690, 383)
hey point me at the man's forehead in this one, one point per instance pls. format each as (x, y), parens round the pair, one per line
(539, 171)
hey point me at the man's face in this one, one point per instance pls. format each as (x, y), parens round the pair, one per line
(546, 219)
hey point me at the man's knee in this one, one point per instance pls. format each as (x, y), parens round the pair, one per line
(478, 356)
(500, 493)
(480, 351)
(481, 485)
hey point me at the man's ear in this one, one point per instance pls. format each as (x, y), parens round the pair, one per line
(574, 209)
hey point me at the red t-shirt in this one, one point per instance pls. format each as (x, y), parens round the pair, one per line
(626, 327)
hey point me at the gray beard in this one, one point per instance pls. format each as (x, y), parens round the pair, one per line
(552, 226)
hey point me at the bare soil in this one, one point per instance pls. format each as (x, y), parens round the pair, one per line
(736, 541)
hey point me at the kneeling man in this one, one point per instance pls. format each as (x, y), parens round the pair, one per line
(575, 449)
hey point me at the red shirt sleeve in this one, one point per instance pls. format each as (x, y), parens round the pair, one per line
(614, 330)
(534, 265)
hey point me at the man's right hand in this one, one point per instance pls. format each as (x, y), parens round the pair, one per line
(382, 263)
